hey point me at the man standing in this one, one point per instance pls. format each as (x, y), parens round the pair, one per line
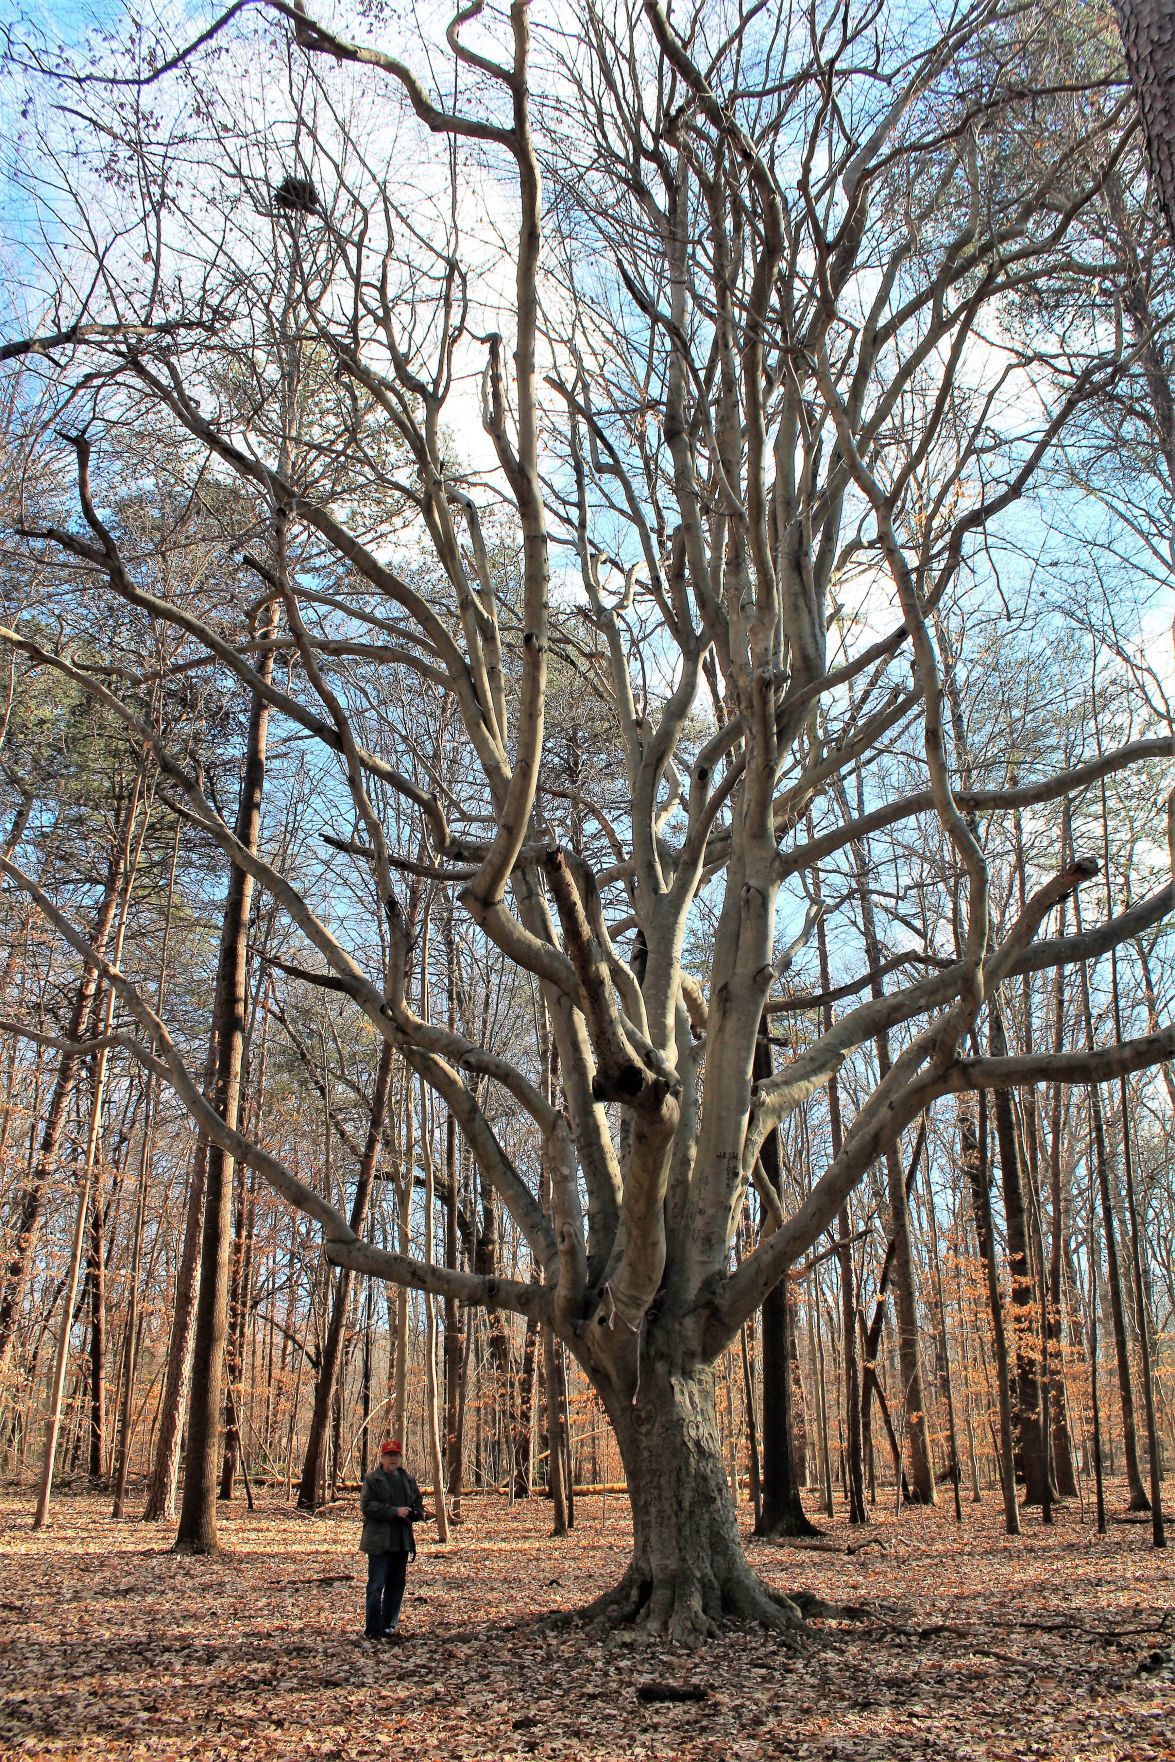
(390, 1503)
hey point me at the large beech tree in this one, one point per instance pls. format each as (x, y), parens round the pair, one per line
(744, 299)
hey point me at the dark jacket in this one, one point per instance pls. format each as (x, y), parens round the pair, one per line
(382, 1492)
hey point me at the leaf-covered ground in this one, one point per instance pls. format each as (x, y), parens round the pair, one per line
(1055, 1646)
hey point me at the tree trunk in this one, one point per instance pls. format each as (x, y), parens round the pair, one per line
(241, 1292)
(871, 1344)
(782, 1512)
(948, 1380)
(688, 1571)
(454, 1353)
(565, 1433)
(165, 1466)
(365, 1378)
(197, 1526)
(485, 1262)
(403, 1295)
(96, 1294)
(973, 1148)
(61, 1365)
(30, 1203)
(234, 1331)
(756, 1482)
(854, 1452)
(89, 1184)
(1148, 38)
(921, 1489)
(1138, 1498)
(556, 1456)
(1062, 1444)
(312, 1484)
(456, 1334)
(1031, 1452)
(1141, 1306)
(134, 1328)
(124, 864)
(131, 1350)
(165, 1462)
(522, 1425)
(1099, 1486)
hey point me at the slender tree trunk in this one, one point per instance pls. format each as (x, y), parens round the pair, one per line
(1062, 1443)
(454, 1316)
(96, 1304)
(232, 1366)
(432, 1408)
(313, 1481)
(1094, 1349)
(57, 1387)
(486, 1263)
(130, 1356)
(854, 1451)
(103, 1019)
(782, 1511)
(245, 1203)
(365, 1377)
(956, 1465)
(197, 1525)
(565, 1434)
(871, 1340)
(756, 1481)
(87, 1196)
(556, 1454)
(973, 1146)
(922, 1488)
(30, 1203)
(817, 1329)
(1138, 1498)
(161, 1488)
(1030, 1443)
(1141, 1306)
(404, 1196)
(126, 1411)
(522, 1426)
(1158, 1526)
(455, 1337)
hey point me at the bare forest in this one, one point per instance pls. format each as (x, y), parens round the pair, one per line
(587, 806)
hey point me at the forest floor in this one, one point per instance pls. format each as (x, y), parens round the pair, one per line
(1057, 1645)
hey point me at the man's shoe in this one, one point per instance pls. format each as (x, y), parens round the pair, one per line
(395, 1637)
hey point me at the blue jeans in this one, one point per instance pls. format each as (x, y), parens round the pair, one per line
(386, 1574)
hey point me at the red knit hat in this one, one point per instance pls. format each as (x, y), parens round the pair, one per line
(390, 1444)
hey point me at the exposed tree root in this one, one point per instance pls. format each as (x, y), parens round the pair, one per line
(816, 1609)
(689, 1608)
(755, 1601)
(622, 1603)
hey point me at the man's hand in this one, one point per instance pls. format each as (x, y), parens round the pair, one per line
(403, 1511)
